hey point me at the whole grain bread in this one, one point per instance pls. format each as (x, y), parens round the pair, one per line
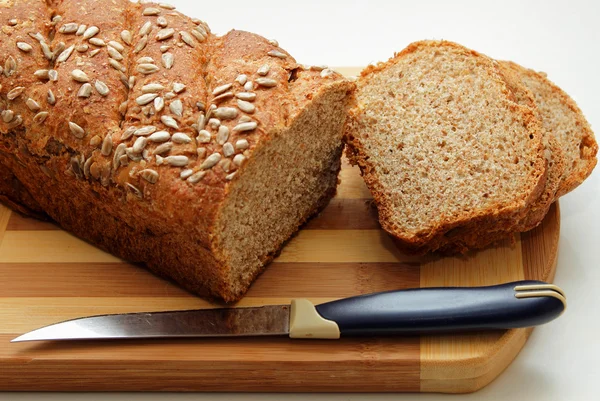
(138, 130)
(444, 145)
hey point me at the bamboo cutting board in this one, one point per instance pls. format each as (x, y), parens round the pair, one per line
(46, 276)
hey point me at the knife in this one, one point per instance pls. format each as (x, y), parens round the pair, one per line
(411, 311)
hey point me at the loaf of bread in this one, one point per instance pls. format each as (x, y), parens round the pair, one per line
(460, 150)
(138, 130)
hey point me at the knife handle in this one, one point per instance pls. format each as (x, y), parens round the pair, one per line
(432, 310)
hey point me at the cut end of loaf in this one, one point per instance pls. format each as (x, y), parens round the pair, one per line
(284, 183)
(441, 142)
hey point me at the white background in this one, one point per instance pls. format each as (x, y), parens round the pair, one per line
(562, 38)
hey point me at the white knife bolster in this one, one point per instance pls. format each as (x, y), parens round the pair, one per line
(305, 322)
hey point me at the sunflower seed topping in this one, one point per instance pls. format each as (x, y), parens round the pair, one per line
(146, 28)
(12, 22)
(238, 160)
(163, 148)
(53, 75)
(80, 30)
(222, 97)
(228, 149)
(101, 87)
(145, 131)
(226, 113)
(126, 37)
(198, 35)
(181, 138)
(266, 82)
(114, 53)
(16, 122)
(247, 96)
(147, 68)
(139, 144)
(8, 116)
(33, 105)
(248, 86)
(230, 177)
(71, 27)
(326, 73)
(277, 53)
(242, 144)
(10, 66)
(201, 153)
(244, 127)
(46, 50)
(82, 48)
(116, 45)
(64, 56)
(119, 151)
(169, 122)
(222, 135)
(187, 38)
(134, 190)
(41, 74)
(15, 93)
(162, 22)
(165, 34)
(263, 70)
(141, 44)
(186, 173)
(40, 117)
(214, 123)
(246, 107)
(221, 89)
(23, 46)
(203, 136)
(159, 136)
(177, 161)
(242, 79)
(165, 48)
(145, 99)
(145, 60)
(195, 178)
(95, 140)
(128, 133)
(168, 60)
(79, 76)
(178, 87)
(152, 88)
(245, 119)
(159, 104)
(149, 175)
(150, 11)
(85, 91)
(90, 32)
(93, 53)
(176, 108)
(51, 99)
(97, 42)
(107, 145)
(76, 130)
(210, 161)
(274, 42)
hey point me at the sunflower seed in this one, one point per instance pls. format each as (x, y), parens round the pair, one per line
(248, 86)
(82, 48)
(201, 153)
(214, 123)
(327, 73)
(230, 177)
(150, 11)
(53, 75)
(23, 46)
(148, 111)
(168, 60)
(195, 178)
(33, 105)
(149, 175)
(85, 91)
(181, 138)
(41, 74)
(79, 76)
(64, 56)
(222, 135)
(71, 27)
(146, 98)
(114, 53)
(242, 79)
(166, 6)
(128, 133)
(15, 93)
(119, 151)
(211, 109)
(40, 117)
(145, 60)
(169, 122)
(246, 107)
(159, 136)
(222, 97)
(178, 87)
(245, 119)
(187, 38)
(274, 42)
(210, 161)
(16, 122)
(170, 95)
(238, 160)
(58, 49)
(75, 164)
(247, 96)
(159, 104)
(263, 70)
(80, 30)
(46, 50)
(277, 53)
(228, 149)
(95, 140)
(116, 45)
(107, 145)
(139, 144)
(93, 53)
(146, 28)
(226, 113)
(163, 148)
(162, 22)
(243, 127)
(165, 34)
(225, 164)
(147, 68)
(242, 144)
(126, 37)
(8, 116)
(101, 87)
(203, 136)
(266, 82)
(177, 161)
(145, 131)
(221, 89)
(76, 130)
(152, 88)
(90, 32)
(159, 160)
(12, 22)
(97, 42)
(198, 35)
(51, 99)
(186, 173)
(134, 190)
(141, 45)
(176, 108)
(165, 48)
(10, 66)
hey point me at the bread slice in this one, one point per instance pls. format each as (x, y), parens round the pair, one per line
(442, 144)
(564, 121)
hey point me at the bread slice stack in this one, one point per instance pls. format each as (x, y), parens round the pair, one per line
(460, 150)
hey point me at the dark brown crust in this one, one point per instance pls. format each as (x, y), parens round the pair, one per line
(431, 240)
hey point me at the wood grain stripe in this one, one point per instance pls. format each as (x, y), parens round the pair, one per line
(5, 215)
(540, 247)
(18, 222)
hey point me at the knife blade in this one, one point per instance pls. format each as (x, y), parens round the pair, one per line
(411, 311)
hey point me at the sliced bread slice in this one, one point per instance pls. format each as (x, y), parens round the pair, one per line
(442, 143)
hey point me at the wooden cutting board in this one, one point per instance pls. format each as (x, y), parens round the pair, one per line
(46, 275)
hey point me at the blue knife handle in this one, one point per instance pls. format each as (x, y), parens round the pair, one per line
(447, 309)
